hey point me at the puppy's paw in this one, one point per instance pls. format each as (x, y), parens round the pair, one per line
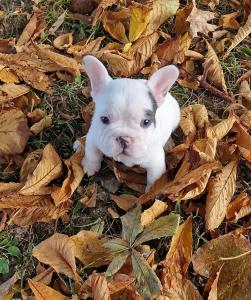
(90, 167)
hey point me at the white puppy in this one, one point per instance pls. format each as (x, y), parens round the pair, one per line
(132, 121)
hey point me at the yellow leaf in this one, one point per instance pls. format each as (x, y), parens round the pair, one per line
(14, 132)
(46, 122)
(8, 76)
(221, 129)
(74, 177)
(59, 252)
(153, 212)
(221, 188)
(200, 115)
(187, 122)
(242, 33)
(10, 91)
(90, 250)
(139, 19)
(103, 5)
(198, 21)
(161, 11)
(48, 169)
(43, 292)
(213, 69)
(243, 141)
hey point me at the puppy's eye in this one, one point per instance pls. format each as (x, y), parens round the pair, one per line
(145, 123)
(105, 120)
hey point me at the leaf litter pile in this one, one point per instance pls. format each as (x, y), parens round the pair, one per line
(102, 237)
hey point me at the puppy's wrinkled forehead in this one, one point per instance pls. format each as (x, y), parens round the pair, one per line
(129, 96)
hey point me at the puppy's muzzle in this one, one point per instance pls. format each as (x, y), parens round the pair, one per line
(124, 141)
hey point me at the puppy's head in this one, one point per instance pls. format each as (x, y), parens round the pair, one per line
(125, 109)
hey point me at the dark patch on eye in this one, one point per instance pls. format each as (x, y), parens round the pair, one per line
(154, 106)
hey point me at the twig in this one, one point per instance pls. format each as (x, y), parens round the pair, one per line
(4, 219)
(235, 257)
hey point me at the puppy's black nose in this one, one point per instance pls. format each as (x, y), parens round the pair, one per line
(123, 142)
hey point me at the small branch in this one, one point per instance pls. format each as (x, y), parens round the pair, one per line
(235, 257)
(216, 91)
(3, 221)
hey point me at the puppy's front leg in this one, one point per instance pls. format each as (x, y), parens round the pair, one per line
(155, 167)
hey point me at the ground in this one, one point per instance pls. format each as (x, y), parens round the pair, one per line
(68, 99)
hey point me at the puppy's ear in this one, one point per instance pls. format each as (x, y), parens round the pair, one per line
(161, 82)
(96, 72)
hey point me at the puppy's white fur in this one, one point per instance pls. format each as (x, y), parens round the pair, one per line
(125, 102)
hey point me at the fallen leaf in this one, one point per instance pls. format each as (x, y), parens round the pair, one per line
(161, 11)
(245, 94)
(100, 287)
(234, 253)
(90, 196)
(49, 168)
(28, 30)
(125, 201)
(211, 3)
(229, 21)
(181, 24)
(46, 122)
(198, 20)
(242, 33)
(30, 163)
(147, 283)
(63, 41)
(213, 69)
(239, 208)
(7, 288)
(8, 76)
(246, 119)
(113, 213)
(153, 212)
(103, 5)
(43, 292)
(187, 122)
(221, 189)
(36, 115)
(7, 46)
(14, 132)
(44, 277)
(243, 141)
(10, 91)
(74, 177)
(54, 27)
(59, 252)
(90, 249)
(213, 294)
(221, 129)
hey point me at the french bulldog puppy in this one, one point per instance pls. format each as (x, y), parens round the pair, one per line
(132, 121)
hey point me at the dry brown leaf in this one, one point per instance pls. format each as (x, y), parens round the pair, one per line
(63, 41)
(245, 94)
(221, 129)
(100, 288)
(14, 132)
(54, 27)
(243, 141)
(125, 201)
(10, 91)
(181, 25)
(103, 5)
(74, 177)
(161, 11)
(45, 276)
(229, 21)
(134, 61)
(239, 208)
(36, 115)
(211, 3)
(7, 46)
(246, 119)
(43, 292)
(59, 252)
(187, 122)
(30, 163)
(28, 30)
(234, 253)
(8, 76)
(46, 122)
(7, 288)
(90, 250)
(198, 20)
(90, 196)
(48, 169)
(213, 69)
(113, 213)
(153, 212)
(242, 33)
(221, 189)
(9, 187)
(200, 115)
